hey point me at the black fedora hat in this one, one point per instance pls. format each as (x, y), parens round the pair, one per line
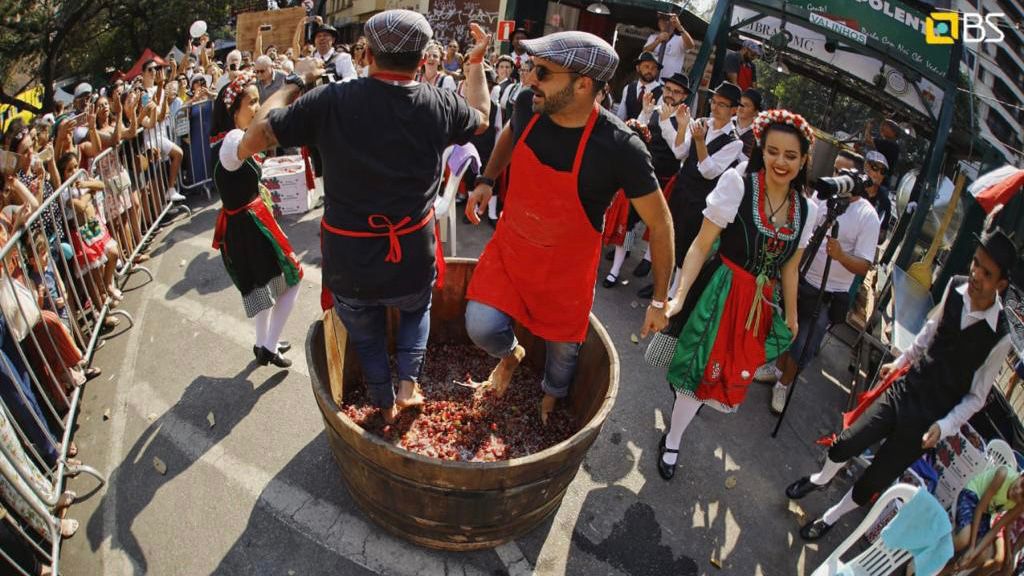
(999, 245)
(647, 57)
(328, 29)
(679, 79)
(729, 91)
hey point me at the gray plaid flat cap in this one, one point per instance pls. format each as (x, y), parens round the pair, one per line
(395, 31)
(580, 52)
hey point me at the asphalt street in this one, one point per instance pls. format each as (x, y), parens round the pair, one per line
(250, 486)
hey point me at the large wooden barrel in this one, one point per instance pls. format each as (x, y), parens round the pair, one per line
(457, 505)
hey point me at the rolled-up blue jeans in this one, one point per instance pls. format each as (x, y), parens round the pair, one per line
(491, 330)
(366, 323)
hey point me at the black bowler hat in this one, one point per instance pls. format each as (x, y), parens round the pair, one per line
(755, 97)
(647, 57)
(729, 91)
(329, 29)
(679, 79)
(998, 244)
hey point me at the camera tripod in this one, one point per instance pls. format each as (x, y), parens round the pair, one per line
(836, 208)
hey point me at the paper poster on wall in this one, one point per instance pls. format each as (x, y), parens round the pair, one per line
(450, 19)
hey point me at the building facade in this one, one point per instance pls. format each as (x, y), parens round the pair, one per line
(997, 72)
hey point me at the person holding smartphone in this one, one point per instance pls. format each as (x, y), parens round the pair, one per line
(670, 44)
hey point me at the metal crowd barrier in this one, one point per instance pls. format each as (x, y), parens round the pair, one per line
(192, 132)
(54, 304)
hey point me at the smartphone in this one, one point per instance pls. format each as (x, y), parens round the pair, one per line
(145, 98)
(8, 162)
(266, 27)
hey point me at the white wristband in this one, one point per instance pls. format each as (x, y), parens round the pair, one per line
(658, 304)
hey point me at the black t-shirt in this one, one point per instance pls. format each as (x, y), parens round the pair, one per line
(381, 146)
(615, 156)
(890, 149)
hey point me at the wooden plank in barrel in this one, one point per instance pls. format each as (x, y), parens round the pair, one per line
(335, 345)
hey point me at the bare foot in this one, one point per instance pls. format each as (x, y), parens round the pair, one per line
(390, 414)
(408, 395)
(68, 527)
(547, 406)
(501, 376)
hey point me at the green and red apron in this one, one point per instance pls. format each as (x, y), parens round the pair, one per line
(268, 226)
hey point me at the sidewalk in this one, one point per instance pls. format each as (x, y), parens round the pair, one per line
(251, 486)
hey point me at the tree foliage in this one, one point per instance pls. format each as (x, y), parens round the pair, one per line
(42, 41)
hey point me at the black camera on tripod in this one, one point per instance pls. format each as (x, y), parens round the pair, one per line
(839, 190)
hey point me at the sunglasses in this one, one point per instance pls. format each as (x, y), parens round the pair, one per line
(543, 73)
(150, 69)
(232, 67)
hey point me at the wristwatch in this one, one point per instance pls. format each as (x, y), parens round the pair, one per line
(484, 180)
(295, 80)
(658, 304)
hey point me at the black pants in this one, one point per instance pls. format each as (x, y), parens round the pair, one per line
(901, 448)
(687, 218)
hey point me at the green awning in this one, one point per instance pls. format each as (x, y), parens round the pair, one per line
(659, 5)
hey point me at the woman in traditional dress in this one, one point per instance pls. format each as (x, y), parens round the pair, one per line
(256, 253)
(727, 309)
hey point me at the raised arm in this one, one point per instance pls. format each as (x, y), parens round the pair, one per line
(501, 156)
(476, 85)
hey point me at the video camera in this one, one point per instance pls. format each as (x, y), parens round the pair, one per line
(838, 191)
(848, 183)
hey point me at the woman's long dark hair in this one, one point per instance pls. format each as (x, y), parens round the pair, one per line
(223, 115)
(756, 162)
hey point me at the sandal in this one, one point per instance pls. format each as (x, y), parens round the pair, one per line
(92, 372)
(141, 258)
(66, 499)
(110, 323)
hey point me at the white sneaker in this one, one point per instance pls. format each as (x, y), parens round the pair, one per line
(768, 373)
(174, 196)
(778, 397)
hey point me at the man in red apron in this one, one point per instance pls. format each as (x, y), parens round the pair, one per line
(381, 139)
(570, 158)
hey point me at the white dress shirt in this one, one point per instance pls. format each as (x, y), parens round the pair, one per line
(620, 110)
(858, 237)
(715, 164)
(344, 69)
(984, 376)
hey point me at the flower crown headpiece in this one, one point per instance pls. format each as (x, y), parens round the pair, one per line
(242, 81)
(781, 116)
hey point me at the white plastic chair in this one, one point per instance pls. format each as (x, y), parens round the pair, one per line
(445, 201)
(999, 453)
(878, 559)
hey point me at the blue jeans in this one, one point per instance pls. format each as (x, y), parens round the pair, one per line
(491, 330)
(807, 300)
(366, 323)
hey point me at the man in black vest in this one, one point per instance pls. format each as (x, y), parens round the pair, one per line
(950, 367)
(707, 147)
(632, 102)
(662, 124)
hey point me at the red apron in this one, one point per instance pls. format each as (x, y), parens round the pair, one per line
(382, 227)
(541, 264)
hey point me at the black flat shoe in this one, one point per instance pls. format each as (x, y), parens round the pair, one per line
(609, 281)
(642, 269)
(646, 291)
(815, 530)
(282, 347)
(667, 471)
(264, 357)
(803, 487)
